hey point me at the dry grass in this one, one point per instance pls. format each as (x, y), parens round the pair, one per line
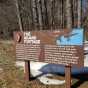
(13, 77)
(10, 76)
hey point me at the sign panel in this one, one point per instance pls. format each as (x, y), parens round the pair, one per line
(60, 47)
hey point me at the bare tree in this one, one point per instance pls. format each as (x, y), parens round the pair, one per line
(79, 12)
(68, 14)
(18, 15)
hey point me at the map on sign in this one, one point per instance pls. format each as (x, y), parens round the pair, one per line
(75, 37)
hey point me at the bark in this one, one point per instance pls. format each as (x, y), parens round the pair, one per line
(79, 13)
(18, 15)
(68, 14)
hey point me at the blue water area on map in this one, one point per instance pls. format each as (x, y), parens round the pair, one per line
(75, 38)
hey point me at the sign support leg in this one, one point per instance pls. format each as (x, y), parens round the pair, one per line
(27, 70)
(68, 76)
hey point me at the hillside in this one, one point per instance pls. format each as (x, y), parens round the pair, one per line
(8, 18)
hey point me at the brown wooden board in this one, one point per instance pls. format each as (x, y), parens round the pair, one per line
(41, 46)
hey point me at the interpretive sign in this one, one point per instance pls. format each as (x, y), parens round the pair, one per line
(60, 47)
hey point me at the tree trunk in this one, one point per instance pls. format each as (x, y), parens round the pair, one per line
(68, 14)
(79, 13)
(18, 15)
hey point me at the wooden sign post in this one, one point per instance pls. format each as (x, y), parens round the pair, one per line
(68, 76)
(56, 47)
(27, 70)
